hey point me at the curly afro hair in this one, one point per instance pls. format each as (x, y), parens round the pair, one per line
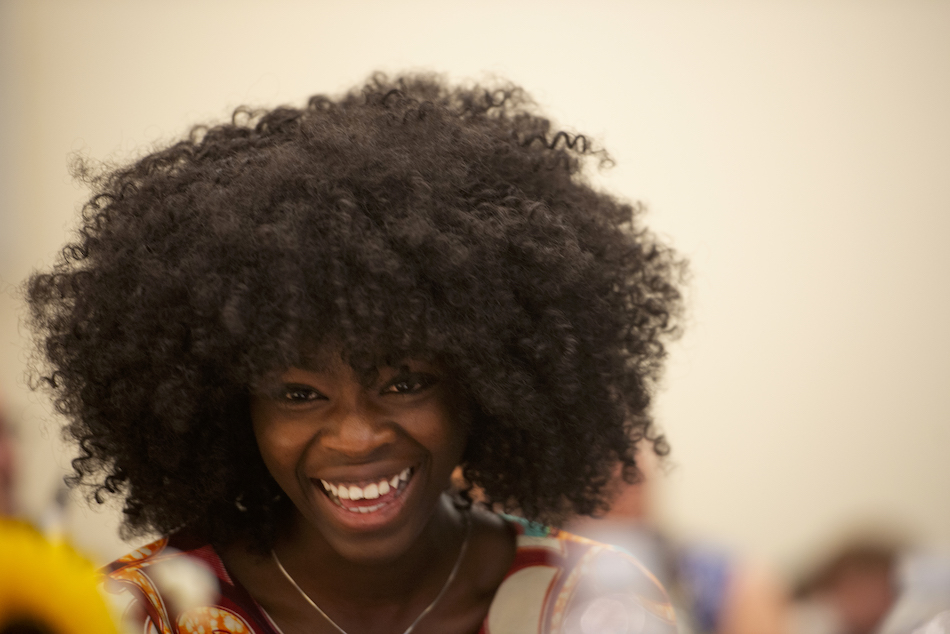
(406, 218)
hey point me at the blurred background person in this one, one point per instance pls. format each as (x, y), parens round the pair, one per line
(713, 590)
(873, 584)
(52, 517)
(7, 465)
(849, 592)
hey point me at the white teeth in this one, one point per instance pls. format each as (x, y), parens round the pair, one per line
(366, 509)
(369, 492)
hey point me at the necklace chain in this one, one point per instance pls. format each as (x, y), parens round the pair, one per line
(412, 626)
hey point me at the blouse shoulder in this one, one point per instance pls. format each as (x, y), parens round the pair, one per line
(177, 586)
(560, 583)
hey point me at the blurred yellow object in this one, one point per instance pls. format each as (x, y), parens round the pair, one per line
(48, 584)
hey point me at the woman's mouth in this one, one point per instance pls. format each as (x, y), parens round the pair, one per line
(368, 497)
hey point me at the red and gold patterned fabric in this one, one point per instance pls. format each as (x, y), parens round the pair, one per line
(558, 584)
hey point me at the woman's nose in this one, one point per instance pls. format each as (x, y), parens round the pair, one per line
(358, 431)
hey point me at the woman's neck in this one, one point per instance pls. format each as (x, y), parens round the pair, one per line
(321, 571)
(387, 596)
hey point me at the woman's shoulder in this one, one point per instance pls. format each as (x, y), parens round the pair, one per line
(178, 585)
(563, 583)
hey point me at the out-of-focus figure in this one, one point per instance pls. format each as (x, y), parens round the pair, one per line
(7, 467)
(712, 591)
(874, 585)
(46, 586)
(850, 592)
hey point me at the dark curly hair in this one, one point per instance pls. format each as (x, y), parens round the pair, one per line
(407, 218)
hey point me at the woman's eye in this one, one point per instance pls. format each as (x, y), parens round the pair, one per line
(300, 394)
(409, 384)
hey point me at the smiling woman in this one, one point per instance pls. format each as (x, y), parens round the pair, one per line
(279, 338)
(366, 463)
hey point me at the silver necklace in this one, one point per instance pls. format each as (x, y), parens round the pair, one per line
(412, 626)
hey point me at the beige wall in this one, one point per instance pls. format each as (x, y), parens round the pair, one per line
(798, 152)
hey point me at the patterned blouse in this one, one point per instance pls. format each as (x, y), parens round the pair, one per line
(559, 583)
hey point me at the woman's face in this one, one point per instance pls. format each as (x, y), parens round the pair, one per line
(364, 464)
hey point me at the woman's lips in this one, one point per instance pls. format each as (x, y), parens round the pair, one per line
(368, 497)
